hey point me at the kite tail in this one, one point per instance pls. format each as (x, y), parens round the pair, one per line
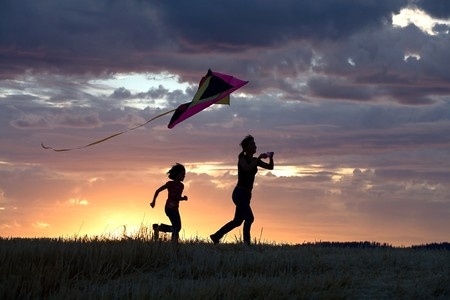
(106, 138)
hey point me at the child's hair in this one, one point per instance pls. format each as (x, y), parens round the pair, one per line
(176, 170)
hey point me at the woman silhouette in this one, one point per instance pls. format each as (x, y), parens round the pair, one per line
(242, 193)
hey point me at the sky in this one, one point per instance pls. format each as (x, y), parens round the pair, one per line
(352, 96)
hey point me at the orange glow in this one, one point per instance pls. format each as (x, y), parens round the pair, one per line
(112, 205)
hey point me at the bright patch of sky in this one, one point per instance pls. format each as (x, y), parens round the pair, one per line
(210, 168)
(419, 18)
(217, 169)
(142, 82)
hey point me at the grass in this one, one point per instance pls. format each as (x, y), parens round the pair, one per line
(139, 268)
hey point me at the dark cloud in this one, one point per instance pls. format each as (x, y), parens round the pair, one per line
(82, 36)
(159, 92)
(121, 93)
(436, 8)
(334, 89)
(441, 29)
(29, 122)
(260, 23)
(75, 37)
(350, 45)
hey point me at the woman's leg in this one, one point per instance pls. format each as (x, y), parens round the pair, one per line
(249, 218)
(241, 199)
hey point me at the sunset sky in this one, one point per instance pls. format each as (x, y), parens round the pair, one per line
(352, 96)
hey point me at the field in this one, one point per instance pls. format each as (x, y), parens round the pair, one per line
(140, 268)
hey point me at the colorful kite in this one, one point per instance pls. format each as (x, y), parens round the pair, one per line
(214, 88)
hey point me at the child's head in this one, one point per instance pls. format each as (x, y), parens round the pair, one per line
(177, 172)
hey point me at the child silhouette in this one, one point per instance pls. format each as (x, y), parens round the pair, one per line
(174, 188)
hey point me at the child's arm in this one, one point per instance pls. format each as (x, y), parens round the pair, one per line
(162, 188)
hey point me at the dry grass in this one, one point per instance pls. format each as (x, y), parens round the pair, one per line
(139, 268)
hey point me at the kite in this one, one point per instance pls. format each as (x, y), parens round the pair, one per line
(214, 88)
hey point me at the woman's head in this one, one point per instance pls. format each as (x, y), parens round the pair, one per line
(248, 145)
(177, 172)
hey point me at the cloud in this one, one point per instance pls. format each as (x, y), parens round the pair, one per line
(436, 8)
(121, 93)
(108, 36)
(77, 201)
(41, 225)
(350, 46)
(32, 121)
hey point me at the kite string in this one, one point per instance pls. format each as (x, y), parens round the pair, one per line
(109, 137)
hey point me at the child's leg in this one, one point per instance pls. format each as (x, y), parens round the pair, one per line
(155, 232)
(175, 218)
(165, 228)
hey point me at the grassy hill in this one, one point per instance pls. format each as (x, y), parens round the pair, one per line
(139, 268)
